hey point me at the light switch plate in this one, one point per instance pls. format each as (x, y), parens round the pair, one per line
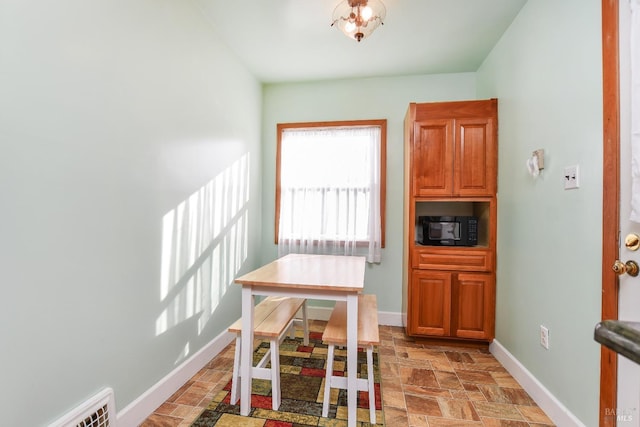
(571, 177)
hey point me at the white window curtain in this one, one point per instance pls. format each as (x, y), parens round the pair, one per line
(330, 192)
(635, 110)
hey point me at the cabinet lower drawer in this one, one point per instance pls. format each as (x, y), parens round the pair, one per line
(460, 259)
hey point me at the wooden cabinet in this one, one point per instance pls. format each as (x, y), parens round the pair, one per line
(450, 169)
(445, 304)
(454, 157)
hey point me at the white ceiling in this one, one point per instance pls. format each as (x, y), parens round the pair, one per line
(292, 40)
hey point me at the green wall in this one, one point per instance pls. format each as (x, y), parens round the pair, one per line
(375, 98)
(126, 129)
(124, 125)
(546, 73)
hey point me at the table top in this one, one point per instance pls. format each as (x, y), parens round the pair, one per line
(320, 272)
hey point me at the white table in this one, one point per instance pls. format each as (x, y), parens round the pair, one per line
(328, 277)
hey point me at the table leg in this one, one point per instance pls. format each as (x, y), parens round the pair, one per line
(352, 358)
(246, 356)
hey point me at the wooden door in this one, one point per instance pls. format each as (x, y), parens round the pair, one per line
(475, 157)
(430, 303)
(473, 307)
(432, 158)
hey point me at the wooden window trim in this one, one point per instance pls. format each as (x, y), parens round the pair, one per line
(345, 123)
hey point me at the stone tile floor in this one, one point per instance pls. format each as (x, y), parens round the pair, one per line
(422, 385)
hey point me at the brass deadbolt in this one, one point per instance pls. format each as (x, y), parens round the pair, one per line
(629, 267)
(632, 241)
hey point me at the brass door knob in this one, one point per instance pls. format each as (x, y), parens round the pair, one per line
(629, 267)
(632, 241)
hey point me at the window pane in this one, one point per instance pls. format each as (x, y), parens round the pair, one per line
(331, 188)
(326, 159)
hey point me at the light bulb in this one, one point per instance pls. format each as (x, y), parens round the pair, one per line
(367, 13)
(349, 27)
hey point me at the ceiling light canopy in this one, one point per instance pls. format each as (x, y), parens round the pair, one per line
(357, 19)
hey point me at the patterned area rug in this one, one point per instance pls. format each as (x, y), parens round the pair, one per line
(302, 386)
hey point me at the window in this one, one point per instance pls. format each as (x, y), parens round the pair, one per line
(330, 188)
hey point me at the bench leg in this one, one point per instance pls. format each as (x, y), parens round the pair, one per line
(305, 323)
(292, 330)
(372, 389)
(327, 381)
(275, 373)
(235, 377)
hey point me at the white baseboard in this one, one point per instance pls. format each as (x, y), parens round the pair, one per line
(138, 410)
(318, 313)
(390, 319)
(384, 317)
(554, 409)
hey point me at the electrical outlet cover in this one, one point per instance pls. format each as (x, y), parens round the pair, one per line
(544, 337)
(571, 177)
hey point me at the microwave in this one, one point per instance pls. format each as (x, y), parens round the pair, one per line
(449, 230)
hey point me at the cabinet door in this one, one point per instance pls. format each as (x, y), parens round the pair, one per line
(432, 158)
(430, 301)
(475, 157)
(473, 306)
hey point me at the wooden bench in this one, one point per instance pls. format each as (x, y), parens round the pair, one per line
(273, 317)
(335, 333)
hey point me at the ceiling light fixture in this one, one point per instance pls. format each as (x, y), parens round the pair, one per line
(357, 19)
